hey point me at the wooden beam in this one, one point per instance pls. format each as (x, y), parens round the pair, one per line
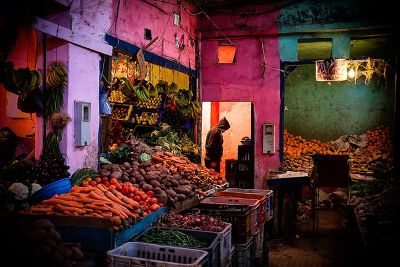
(72, 36)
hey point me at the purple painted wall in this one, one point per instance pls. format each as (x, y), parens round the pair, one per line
(242, 81)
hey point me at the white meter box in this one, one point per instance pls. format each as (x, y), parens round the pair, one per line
(268, 138)
(82, 123)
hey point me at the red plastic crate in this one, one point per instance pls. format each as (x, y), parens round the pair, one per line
(269, 205)
(262, 212)
(252, 203)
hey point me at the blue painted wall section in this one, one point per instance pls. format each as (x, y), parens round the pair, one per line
(326, 111)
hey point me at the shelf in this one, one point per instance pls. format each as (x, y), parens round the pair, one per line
(120, 104)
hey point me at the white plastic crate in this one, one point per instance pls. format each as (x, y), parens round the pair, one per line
(132, 254)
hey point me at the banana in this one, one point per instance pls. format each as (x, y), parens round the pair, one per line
(34, 80)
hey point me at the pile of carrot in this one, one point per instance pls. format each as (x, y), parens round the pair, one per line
(94, 202)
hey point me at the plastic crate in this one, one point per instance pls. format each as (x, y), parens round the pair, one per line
(227, 200)
(258, 244)
(225, 242)
(262, 212)
(133, 254)
(243, 255)
(211, 238)
(269, 204)
(238, 216)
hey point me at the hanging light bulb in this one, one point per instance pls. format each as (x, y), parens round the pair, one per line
(351, 73)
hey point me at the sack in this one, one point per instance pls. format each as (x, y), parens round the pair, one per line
(32, 102)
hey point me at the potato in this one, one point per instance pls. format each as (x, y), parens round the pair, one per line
(116, 174)
(171, 193)
(43, 223)
(142, 172)
(181, 197)
(76, 253)
(183, 189)
(64, 251)
(174, 183)
(155, 183)
(147, 187)
(150, 177)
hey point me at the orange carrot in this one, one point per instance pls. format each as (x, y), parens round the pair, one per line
(63, 208)
(112, 197)
(96, 207)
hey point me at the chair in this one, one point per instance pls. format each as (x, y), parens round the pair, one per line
(328, 171)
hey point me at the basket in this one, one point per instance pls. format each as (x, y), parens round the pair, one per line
(252, 203)
(55, 188)
(211, 238)
(133, 254)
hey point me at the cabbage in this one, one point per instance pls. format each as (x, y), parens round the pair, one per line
(144, 157)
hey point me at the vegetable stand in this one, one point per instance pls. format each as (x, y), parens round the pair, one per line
(96, 234)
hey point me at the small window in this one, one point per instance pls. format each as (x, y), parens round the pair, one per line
(85, 113)
(226, 53)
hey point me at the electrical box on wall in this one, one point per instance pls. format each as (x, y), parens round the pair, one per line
(268, 138)
(82, 123)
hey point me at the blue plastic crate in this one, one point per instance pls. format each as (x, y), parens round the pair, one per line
(211, 238)
(103, 239)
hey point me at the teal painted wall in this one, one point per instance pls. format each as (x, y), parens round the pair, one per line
(325, 112)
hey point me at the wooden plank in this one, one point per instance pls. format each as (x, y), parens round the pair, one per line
(72, 36)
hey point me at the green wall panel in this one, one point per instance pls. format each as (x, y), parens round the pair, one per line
(325, 112)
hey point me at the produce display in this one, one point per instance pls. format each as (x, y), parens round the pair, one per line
(168, 139)
(378, 216)
(146, 118)
(374, 158)
(192, 221)
(42, 246)
(152, 103)
(117, 96)
(92, 201)
(172, 237)
(81, 174)
(121, 113)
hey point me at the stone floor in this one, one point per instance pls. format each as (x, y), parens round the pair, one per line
(336, 246)
(330, 247)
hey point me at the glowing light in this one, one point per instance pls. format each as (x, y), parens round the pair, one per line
(351, 73)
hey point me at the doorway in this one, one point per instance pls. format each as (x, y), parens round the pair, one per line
(239, 115)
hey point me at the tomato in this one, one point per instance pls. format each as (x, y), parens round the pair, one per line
(104, 179)
(93, 183)
(114, 181)
(85, 183)
(88, 179)
(145, 214)
(144, 196)
(154, 207)
(118, 187)
(131, 195)
(153, 200)
(125, 191)
(161, 204)
(150, 193)
(112, 186)
(98, 180)
(137, 198)
(106, 183)
(145, 207)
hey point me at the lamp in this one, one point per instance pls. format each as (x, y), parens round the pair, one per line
(351, 73)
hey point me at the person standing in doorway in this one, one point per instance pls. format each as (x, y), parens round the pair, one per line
(214, 141)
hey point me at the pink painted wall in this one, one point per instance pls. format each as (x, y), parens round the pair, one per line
(83, 85)
(135, 15)
(242, 81)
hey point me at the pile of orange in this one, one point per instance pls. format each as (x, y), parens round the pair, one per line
(295, 146)
(379, 139)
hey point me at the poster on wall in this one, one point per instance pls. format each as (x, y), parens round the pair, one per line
(331, 70)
